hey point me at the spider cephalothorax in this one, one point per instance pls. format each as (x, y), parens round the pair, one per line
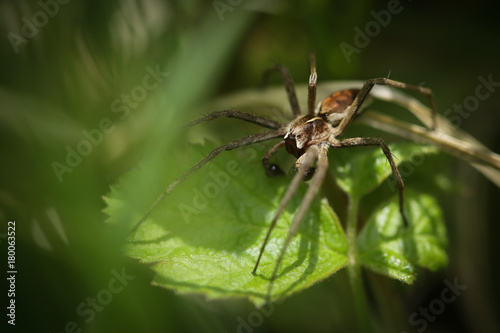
(302, 133)
(306, 131)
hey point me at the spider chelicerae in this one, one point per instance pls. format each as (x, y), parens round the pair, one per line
(308, 138)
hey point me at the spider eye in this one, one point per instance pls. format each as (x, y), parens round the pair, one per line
(273, 170)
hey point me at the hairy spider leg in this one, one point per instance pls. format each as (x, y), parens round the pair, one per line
(316, 181)
(365, 90)
(316, 152)
(313, 78)
(264, 122)
(228, 146)
(371, 141)
(308, 159)
(272, 169)
(289, 86)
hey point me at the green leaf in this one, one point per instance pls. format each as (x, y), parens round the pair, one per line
(388, 247)
(206, 235)
(359, 170)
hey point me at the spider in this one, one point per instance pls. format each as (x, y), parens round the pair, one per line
(308, 138)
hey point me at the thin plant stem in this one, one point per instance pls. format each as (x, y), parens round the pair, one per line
(354, 269)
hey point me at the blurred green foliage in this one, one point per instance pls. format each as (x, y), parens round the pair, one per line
(75, 70)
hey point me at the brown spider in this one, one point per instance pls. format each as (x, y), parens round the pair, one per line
(307, 137)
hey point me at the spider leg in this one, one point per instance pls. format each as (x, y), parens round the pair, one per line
(228, 146)
(311, 93)
(264, 122)
(289, 86)
(370, 141)
(309, 158)
(365, 90)
(304, 206)
(272, 170)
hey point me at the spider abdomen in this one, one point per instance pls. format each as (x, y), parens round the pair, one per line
(334, 105)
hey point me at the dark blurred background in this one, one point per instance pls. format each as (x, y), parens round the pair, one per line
(68, 66)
